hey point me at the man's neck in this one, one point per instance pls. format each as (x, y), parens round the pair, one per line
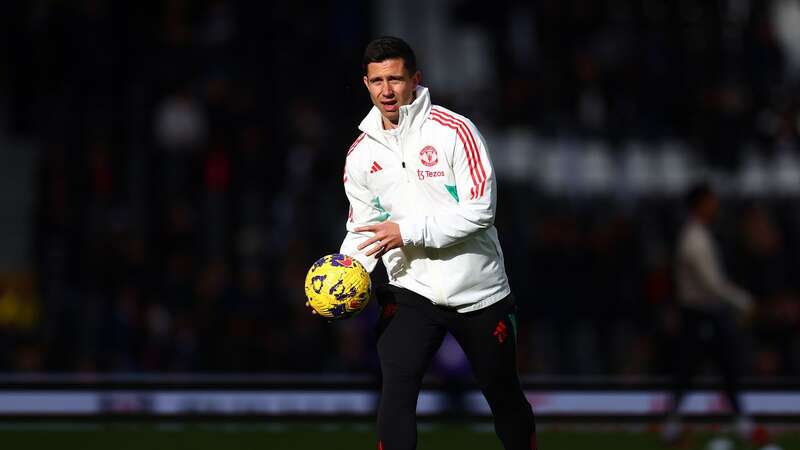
(701, 219)
(387, 124)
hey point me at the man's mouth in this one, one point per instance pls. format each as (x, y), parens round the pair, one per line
(390, 106)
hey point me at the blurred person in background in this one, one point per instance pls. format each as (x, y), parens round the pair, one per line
(422, 197)
(710, 310)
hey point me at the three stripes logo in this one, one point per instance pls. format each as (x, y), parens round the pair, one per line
(375, 167)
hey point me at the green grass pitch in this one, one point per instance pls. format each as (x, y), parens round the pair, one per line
(319, 436)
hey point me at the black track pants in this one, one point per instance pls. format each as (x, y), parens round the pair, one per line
(711, 334)
(410, 332)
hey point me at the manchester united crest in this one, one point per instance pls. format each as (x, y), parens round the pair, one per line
(428, 156)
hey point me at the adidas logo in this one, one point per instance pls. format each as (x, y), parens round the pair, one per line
(375, 167)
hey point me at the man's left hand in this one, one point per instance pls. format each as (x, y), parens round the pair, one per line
(386, 237)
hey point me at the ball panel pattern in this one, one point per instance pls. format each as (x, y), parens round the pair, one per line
(337, 286)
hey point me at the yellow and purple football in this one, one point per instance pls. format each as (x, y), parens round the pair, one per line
(338, 286)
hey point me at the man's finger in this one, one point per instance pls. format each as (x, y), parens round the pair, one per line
(375, 249)
(313, 311)
(369, 241)
(365, 228)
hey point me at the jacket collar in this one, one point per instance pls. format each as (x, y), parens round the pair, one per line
(411, 117)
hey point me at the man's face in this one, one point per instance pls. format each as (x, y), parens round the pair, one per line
(390, 86)
(710, 208)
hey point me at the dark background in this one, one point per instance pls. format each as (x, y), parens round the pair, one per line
(171, 170)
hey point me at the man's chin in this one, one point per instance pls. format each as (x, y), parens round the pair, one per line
(393, 117)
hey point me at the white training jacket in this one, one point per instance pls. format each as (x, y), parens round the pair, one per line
(701, 282)
(432, 175)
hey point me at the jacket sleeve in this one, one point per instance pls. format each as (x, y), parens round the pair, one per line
(363, 211)
(475, 186)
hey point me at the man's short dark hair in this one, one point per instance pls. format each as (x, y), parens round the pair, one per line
(389, 47)
(697, 193)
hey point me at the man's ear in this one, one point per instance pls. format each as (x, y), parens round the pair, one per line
(416, 79)
(366, 82)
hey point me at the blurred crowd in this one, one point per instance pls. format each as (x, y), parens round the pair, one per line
(189, 172)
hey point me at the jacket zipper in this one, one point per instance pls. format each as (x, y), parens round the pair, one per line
(433, 265)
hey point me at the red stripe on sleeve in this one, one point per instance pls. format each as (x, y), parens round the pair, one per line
(467, 152)
(473, 155)
(355, 143)
(475, 147)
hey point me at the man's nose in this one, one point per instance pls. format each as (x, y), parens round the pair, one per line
(387, 90)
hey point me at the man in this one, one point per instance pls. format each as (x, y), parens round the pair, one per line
(709, 306)
(422, 198)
